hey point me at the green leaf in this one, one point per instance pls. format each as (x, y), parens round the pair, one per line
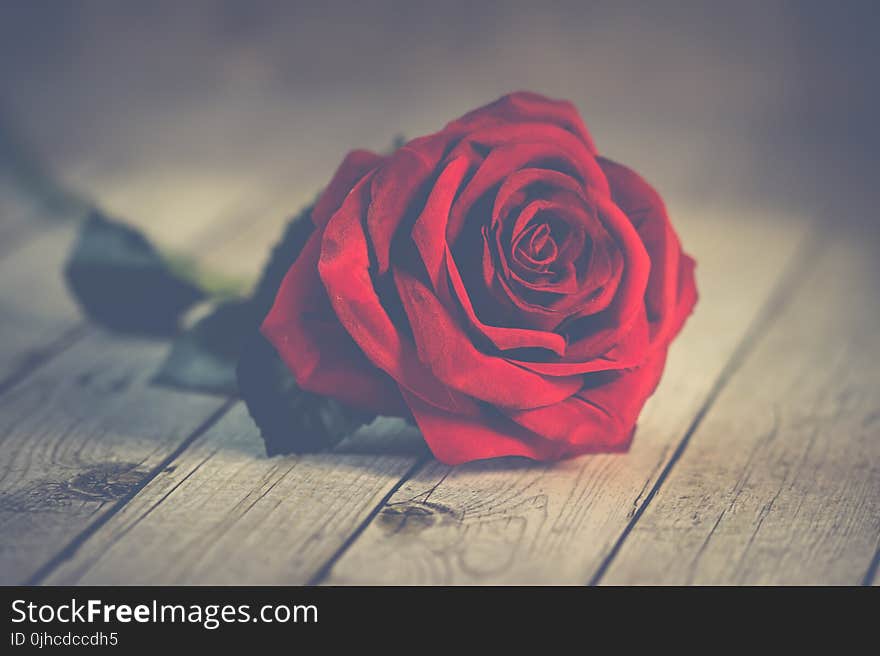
(122, 282)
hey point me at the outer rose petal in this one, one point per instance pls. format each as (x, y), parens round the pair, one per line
(355, 166)
(454, 439)
(315, 347)
(645, 209)
(395, 188)
(526, 107)
(687, 294)
(599, 418)
(344, 267)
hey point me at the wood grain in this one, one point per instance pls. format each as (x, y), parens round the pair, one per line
(223, 513)
(38, 317)
(76, 407)
(510, 521)
(36, 313)
(78, 436)
(781, 481)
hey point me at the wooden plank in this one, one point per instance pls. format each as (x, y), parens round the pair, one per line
(38, 317)
(224, 493)
(487, 510)
(780, 483)
(79, 435)
(509, 521)
(223, 513)
(85, 419)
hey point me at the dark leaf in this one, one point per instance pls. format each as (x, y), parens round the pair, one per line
(123, 283)
(203, 358)
(290, 419)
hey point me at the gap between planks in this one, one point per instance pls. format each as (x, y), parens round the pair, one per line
(39, 576)
(224, 498)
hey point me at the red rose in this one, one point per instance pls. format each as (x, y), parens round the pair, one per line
(501, 282)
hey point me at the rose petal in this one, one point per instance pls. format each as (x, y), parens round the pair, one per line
(355, 166)
(545, 305)
(647, 212)
(631, 350)
(344, 267)
(670, 306)
(597, 275)
(519, 181)
(454, 439)
(542, 145)
(598, 418)
(429, 230)
(502, 302)
(607, 328)
(527, 107)
(429, 236)
(686, 299)
(321, 355)
(535, 249)
(398, 189)
(503, 337)
(452, 357)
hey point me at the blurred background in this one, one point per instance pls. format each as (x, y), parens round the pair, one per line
(178, 111)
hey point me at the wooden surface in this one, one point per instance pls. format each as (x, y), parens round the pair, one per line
(757, 461)
(782, 477)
